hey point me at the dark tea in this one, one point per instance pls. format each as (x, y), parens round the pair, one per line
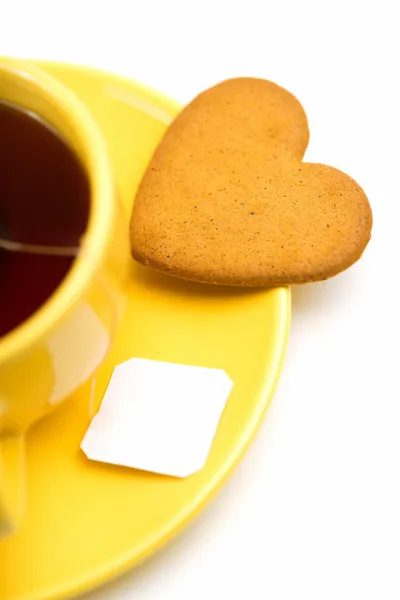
(44, 201)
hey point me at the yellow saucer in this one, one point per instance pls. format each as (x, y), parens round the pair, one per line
(87, 522)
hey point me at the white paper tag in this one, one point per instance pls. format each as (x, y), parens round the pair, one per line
(159, 417)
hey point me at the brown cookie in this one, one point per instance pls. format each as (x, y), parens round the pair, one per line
(226, 200)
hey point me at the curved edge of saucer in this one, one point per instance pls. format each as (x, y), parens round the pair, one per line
(122, 564)
(155, 95)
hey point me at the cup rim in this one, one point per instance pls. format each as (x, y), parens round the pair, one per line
(20, 340)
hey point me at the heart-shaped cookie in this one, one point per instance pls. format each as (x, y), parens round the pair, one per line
(227, 200)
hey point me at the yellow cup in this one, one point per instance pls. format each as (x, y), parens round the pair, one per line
(55, 351)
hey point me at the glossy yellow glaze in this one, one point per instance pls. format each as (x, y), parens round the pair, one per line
(87, 522)
(49, 356)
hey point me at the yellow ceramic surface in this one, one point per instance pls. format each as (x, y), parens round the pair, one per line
(54, 352)
(86, 521)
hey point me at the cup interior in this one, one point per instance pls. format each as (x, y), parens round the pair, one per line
(39, 98)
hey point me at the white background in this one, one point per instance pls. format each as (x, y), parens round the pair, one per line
(313, 510)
